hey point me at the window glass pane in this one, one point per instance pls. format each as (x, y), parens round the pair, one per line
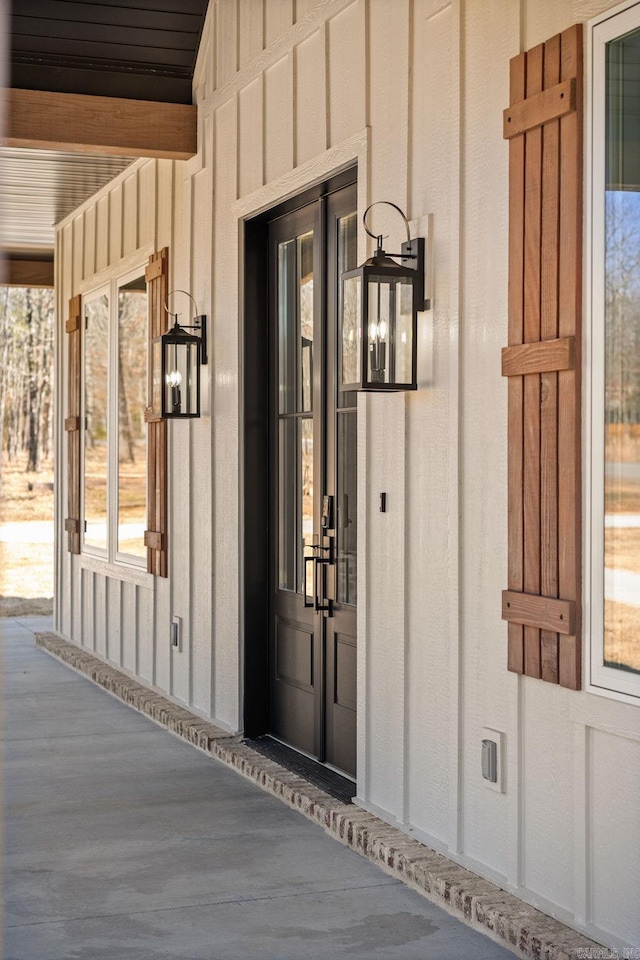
(347, 531)
(96, 405)
(132, 433)
(622, 356)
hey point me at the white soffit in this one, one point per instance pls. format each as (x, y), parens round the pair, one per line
(40, 187)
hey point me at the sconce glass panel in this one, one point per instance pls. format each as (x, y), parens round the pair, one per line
(378, 332)
(181, 380)
(404, 354)
(351, 340)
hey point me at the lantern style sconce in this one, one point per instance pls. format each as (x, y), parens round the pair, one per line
(379, 305)
(176, 357)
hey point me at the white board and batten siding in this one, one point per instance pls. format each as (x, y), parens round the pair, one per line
(413, 90)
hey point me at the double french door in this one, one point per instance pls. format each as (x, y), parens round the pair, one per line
(313, 529)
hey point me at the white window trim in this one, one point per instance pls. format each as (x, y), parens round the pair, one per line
(88, 548)
(110, 561)
(604, 681)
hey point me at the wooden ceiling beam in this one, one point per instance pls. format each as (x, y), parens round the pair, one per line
(78, 123)
(26, 273)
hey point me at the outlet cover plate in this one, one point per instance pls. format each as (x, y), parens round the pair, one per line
(176, 634)
(499, 738)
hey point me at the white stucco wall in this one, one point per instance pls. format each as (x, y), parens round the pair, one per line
(414, 91)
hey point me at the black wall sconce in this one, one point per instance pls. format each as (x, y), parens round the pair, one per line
(176, 357)
(379, 305)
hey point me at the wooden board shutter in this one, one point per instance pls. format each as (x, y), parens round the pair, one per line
(155, 537)
(544, 127)
(73, 328)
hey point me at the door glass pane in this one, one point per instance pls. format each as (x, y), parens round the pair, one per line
(96, 405)
(287, 324)
(347, 532)
(348, 260)
(305, 308)
(295, 324)
(306, 498)
(132, 433)
(287, 477)
(295, 502)
(622, 357)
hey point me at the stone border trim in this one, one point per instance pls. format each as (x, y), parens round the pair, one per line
(479, 903)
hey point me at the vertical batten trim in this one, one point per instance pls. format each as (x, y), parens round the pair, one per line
(263, 87)
(155, 600)
(156, 204)
(410, 56)
(236, 17)
(192, 424)
(367, 71)
(323, 34)
(327, 87)
(136, 629)
(137, 220)
(108, 230)
(121, 619)
(519, 781)
(456, 609)
(293, 64)
(363, 770)
(581, 817)
(239, 141)
(515, 637)
(212, 21)
(92, 601)
(211, 336)
(216, 59)
(57, 418)
(404, 419)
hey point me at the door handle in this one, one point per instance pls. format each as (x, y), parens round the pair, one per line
(321, 564)
(311, 600)
(314, 602)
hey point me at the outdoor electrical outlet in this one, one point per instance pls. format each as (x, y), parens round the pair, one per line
(176, 630)
(490, 760)
(492, 750)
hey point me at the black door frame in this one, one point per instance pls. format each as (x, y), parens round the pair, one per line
(255, 440)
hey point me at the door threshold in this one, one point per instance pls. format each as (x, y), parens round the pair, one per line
(335, 784)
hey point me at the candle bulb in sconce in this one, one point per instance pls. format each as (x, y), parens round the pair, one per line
(378, 350)
(174, 379)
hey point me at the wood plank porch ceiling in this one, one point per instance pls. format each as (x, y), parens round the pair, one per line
(133, 49)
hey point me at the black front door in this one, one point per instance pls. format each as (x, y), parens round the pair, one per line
(312, 644)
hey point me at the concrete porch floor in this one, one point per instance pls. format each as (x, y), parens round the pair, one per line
(124, 843)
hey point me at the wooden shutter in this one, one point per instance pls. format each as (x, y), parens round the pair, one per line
(544, 126)
(72, 424)
(155, 538)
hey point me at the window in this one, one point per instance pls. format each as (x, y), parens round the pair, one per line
(615, 354)
(114, 437)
